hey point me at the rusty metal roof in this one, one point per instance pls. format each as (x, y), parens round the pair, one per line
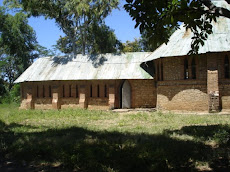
(100, 67)
(179, 43)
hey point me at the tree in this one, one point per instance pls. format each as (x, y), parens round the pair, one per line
(17, 45)
(134, 46)
(139, 45)
(159, 18)
(103, 40)
(100, 39)
(74, 17)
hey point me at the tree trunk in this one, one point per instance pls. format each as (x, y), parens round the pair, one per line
(74, 46)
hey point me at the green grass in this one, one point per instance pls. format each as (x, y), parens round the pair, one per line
(83, 140)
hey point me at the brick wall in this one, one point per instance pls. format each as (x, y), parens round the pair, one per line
(143, 93)
(173, 67)
(224, 83)
(182, 95)
(175, 92)
(93, 94)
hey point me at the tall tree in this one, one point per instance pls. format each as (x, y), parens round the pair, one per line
(100, 39)
(74, 17)
(17, 45)
(103, 40)
(159, 18)
(134, 46)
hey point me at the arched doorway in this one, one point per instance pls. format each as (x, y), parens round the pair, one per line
(125, 95)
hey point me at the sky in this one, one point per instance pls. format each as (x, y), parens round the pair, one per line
(119, 20)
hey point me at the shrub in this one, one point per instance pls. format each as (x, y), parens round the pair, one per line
(12, 96)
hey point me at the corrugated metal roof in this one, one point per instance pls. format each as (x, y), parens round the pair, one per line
(101, 67)
(179, 43)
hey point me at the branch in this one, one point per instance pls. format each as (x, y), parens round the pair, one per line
(216, 10)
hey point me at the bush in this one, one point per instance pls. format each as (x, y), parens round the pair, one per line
(2, 89)
(12, 96)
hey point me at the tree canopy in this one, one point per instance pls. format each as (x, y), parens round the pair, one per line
(17, 45)
(159, 18)
(132, 46)
(74, 17)
(100, 39)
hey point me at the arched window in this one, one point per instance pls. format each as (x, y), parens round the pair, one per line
(158, 72)
(186, 68)
(162, 75)
(105, 91)
(76, 90)
(50, 92)
(37, 91)
(70, 91)
(226, 67)
(98, 91)
(43, 91)
(63, 90)
(91, 91)
(193, 68)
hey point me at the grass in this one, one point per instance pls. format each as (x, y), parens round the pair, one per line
(83, 140)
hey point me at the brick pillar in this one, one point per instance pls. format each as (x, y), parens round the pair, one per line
(82, 97)
(56, 98)
(29, 98)
(111, 97)
(212, 84)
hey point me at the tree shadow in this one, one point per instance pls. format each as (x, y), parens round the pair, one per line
(62, 60)
(97, 60)
(219, 155)
(81, 149)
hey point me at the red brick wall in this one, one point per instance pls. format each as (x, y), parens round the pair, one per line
(177, 93)
(143, 93)
(182, 95)
(224, 83)
(173, 67)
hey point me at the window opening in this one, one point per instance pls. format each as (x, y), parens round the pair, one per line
(63, 90)
(98, 91)
(158, 72)
(37, 91)
(105, 91)
(226, 67)
(193, 68)
(49, 91)
(76, 91)
(162, 75)
(91, 91)
(70, 94)
(186, 76)
(43, 91)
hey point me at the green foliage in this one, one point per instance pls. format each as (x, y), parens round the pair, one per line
(100, 39)
(12, 96)
(103, 40)
(18, 45)
(222, 136)
(74, 17)
(140, 45)
(43, 51)
(158, 19)
(134, 46)
(3, 90)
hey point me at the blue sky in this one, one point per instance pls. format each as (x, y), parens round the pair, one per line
(119, 20)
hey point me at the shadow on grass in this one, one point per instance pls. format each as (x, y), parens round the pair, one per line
(80, 149)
